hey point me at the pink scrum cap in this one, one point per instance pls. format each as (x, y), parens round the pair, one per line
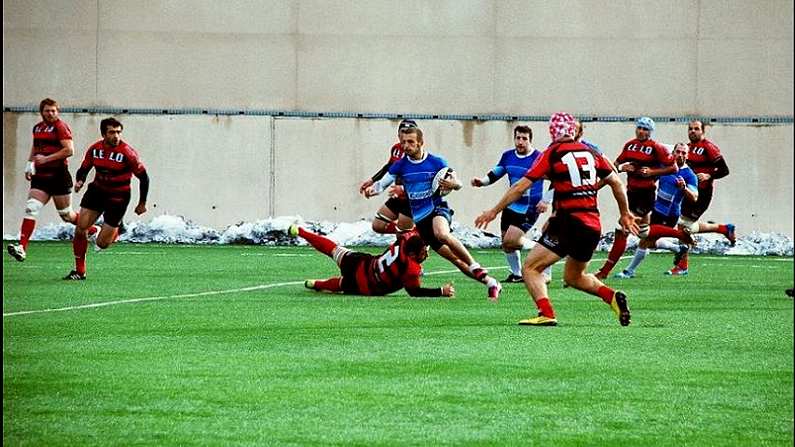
(560, 125)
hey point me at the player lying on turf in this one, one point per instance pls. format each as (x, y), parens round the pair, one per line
(365, 274)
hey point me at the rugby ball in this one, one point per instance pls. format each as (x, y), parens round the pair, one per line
(443, 173)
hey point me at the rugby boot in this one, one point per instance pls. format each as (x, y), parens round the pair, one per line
(620, 307)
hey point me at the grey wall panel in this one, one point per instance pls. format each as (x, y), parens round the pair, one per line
(214, 170)
(197, 70)
(410, 18)
(598, 20)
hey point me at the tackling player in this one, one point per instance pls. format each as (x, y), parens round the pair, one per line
(519, 216)
(364, 274)
(109, 194)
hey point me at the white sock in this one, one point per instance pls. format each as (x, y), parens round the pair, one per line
(490, 282)
(668, 244)
(514, 262)
(473, 266)
(640, 255)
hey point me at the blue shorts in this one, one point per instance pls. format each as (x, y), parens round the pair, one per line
(522, 221)
(425, 226)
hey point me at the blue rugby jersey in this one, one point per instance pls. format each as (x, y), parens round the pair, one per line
(417, 176)
(669, 196)
(516, 166)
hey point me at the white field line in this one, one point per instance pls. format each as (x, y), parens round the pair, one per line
(154, 298)
(215, 292)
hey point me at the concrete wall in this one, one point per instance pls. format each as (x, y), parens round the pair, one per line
(219, 171)
(529, 57)
(708, 57)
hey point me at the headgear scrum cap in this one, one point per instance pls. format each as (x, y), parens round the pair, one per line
(645, 122)
(560, 125)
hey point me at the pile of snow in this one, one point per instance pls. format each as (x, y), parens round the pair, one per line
(273, 231)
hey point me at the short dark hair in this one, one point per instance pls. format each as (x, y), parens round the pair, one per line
(703, 123)
(48, 102)
(523, 129)
(415, 130)
(109, 122)
(414, 244)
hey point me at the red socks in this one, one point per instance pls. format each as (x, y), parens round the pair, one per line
(657, 231)
(79, 247)
(331, 284)
(606, 294)
(26, 232)
(545, 307)
(616, 251)
(321, 244)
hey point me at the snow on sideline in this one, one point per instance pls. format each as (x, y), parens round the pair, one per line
(272, 231)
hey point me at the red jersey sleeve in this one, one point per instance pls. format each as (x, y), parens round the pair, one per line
(603, 167)
(88, 159)
(62, 130)
(134, 161)
(662, 155)
(411, 279)
(541, 168)
(621, 157)
(712, 152)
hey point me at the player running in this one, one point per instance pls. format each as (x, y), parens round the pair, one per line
(109, 194)
(364, 274)
(520, 216)
(48, 173)
(644, 160)
(395, 214)
(432, 215)
(575, 171)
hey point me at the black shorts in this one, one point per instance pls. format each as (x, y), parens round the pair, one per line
(568, 236)
(425, 226)
(59, 184)
(641, 201)
(659, 219)
(349, 267)
(523, 221)
(694, 210)
(112, 206)
(399, 206)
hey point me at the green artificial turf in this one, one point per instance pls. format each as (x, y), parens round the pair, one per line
(195, 360)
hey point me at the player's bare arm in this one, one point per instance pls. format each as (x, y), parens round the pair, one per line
(513, 194)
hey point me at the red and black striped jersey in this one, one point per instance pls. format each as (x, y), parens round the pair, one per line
(389, 272)
(46, 141)
(115, 165)
(648, 154)
(574, 170)
(703, 158)
(395, 153)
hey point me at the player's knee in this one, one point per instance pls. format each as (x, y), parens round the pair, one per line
(66, 214)
(379, 217)
(688, 225)
(32, 208)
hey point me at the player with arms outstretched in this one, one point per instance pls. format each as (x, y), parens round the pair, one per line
(575, 171)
